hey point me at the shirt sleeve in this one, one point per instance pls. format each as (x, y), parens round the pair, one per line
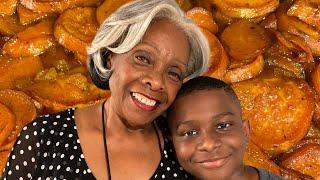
(23, 158)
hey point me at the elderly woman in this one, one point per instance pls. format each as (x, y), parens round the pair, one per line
(142, 53)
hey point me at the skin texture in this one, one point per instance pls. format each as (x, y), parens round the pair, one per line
(151, 68)
(209, 136)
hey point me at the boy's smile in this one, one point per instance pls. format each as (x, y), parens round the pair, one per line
(208, 134)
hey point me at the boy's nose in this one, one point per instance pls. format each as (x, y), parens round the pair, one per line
(209, 143)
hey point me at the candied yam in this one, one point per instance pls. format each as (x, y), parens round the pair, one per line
(279, 109)
(185, 5)
(254, 157)
(22, 107)
(8, 7)
(70, 90)
(315, 79)
(32, 41)
(107, 8)
(245, 72)
(56, 6)
(244, 40)
(269, 22)
(314, 132)
(58, 58)
(305, 159)
(12, 69)
(203, 18)
(26, 16)
(292, 24)
(7, 123)
(76, 28)
(219, 60)
(305, 12)
(9, 25)
(247, 8)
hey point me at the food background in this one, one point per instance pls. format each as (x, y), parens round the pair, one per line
(267, 49)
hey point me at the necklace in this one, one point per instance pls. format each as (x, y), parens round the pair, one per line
(104, 130)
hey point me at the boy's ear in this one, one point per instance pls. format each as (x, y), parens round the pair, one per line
(246, 129)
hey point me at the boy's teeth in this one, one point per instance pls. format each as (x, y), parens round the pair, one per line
(144, 99)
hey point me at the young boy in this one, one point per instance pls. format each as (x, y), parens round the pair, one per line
(208, 133)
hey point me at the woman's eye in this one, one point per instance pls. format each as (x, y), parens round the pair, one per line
(190, 133)
(143, 59)
(175, 76)
(223, 126)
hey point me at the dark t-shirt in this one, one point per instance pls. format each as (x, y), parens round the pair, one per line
(49, 148)
(266, 175)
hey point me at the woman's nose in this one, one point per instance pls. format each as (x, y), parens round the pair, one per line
(209, 143)
(154, 80)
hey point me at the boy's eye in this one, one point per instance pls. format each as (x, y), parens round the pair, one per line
(143, 59)
(223, 126)
(190, 133)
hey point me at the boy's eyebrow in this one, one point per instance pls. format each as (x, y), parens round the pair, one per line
(218, 116)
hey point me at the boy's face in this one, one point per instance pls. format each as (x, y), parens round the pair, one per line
(208, 134)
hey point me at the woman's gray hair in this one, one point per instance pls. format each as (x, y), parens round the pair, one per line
(125, 28)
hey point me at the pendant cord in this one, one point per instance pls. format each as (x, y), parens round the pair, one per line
(105, 142)
(104, 129)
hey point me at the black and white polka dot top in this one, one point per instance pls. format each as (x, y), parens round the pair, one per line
(49, 148)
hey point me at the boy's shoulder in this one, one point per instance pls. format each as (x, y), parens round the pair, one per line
(266, 175)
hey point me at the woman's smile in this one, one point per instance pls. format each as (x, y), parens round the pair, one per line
(143, 102)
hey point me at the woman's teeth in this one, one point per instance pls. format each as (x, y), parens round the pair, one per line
(144, 100)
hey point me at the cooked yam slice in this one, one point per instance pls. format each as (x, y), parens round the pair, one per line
(7, 123)
(315, 79)
(247, 8)
(254, 157)
(244, 40)
(203, 18)
(292, 24)
(275, 56)
(306, 13)
(245, 72)
(9, 25)
(314, 132)
(185, 5)
(26, 16)
(279, 109)
(22, 107)
(219, 60)
(294, 175)
(75, 29)
(12, 69)
(107, 8)
(8, 7)
(33, 41)
(69, 90)
(313, 44)
(58, 58)
(56, 6)
(269, 22)
(305, 159)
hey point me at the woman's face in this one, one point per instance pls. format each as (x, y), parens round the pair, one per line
(146, 79)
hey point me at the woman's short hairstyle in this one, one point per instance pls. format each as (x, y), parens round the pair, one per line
(125, 28)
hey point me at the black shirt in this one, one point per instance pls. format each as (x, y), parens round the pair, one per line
(49, 148)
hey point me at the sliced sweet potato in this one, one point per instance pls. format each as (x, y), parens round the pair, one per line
(22, 107)
(9, 25)
(245, 40)
(203, 18)
(56, 6)
(27, 16)
(219, 60)
(314, 132)
(247, 8)
(76, 34)
(255, 157)
(279, 109)
(306, 13)
(185, 5)
(12, 69)
(33, 41)
(245, 72)
(7, 123)
(107, 8)
(8, 7)
(70, 90)
(305, 159)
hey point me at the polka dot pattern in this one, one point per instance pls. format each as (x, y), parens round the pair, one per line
(49, 148)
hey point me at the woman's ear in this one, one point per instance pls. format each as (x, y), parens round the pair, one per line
(109, 61)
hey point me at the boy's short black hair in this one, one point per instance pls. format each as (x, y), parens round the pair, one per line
(206, 83)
